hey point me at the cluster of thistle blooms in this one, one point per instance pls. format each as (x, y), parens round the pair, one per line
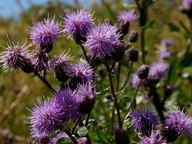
(76, 94)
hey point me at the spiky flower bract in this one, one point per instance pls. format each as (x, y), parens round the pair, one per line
(68, 103)
(47, 117)
(86, 97)
(144, 121)
(77, 25)
(60, 65)
(45, 33)
(180, 122)
(80, 73)
(127, 16)
(16, 57)
(102, 40)
(154, 138)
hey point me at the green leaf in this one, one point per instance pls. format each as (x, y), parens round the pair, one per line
(102, 137)
(184, 27)
(103, 92)
(173, 27)
(82, 131)
(123, 102)
(149, 24)
(93, 136)
(63, 141)
(172, 73)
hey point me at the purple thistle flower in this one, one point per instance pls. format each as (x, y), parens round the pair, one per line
(45, 33)
(86, 97)
(68, 103)
(16, 57)
(166, 43)
(144, 121)
(157, 71)
(102, 40)
(135, 81)
(77, 24)
(58, 136)
(154, 138)
(180, 122)
(60, 66)
(126, 16)
(47, 117)
(187, 3)
(164, 54)
(80, 73)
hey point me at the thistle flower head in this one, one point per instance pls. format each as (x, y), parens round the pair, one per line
(86, 96)
(179, 122)
(158, 71)
(60, 65)
(80, 73)
(187, 3)
(102, 40)
(144, 121)
(46, 117)
(166, 43)
(154, 138)
(68, 103)
(127, 16)
(16, 57)
(77, 24)
(45, 33)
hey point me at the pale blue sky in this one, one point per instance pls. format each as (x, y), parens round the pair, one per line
(10, 8)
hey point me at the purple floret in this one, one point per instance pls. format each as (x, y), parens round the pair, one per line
(144, 121)
(127, 16)
(15, 57)
(77, 24)
(102, 40)
(46, 118)
(135, 81)
(45, 33)
(154, 138)
(68, 103)
(180, 122)
(158, 71)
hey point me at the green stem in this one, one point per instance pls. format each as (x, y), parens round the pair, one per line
(132, 101)
(113, 94)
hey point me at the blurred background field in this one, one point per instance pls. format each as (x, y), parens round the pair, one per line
(19, 91)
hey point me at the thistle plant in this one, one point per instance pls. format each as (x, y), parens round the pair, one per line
(110, 68)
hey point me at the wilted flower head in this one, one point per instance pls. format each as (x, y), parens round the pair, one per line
(16, 57)
(154, 138)
(60, 65)
(68, 103)
(144, 121)
(47, 117)
(127, 16)
(158, 71)
(45, 33)
(78, 24)
(102, 40)
(180, 122)
(39, 60)
(80, 73)
(86, 96)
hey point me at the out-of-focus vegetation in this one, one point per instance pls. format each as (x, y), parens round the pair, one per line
(19, 91)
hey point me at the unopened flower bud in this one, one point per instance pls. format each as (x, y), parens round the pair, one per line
(118, 52)
(133, 36)
(86, 105)
(133, 55)
(143, 72)
(168, 90)
(84, 140)
(121, 136)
